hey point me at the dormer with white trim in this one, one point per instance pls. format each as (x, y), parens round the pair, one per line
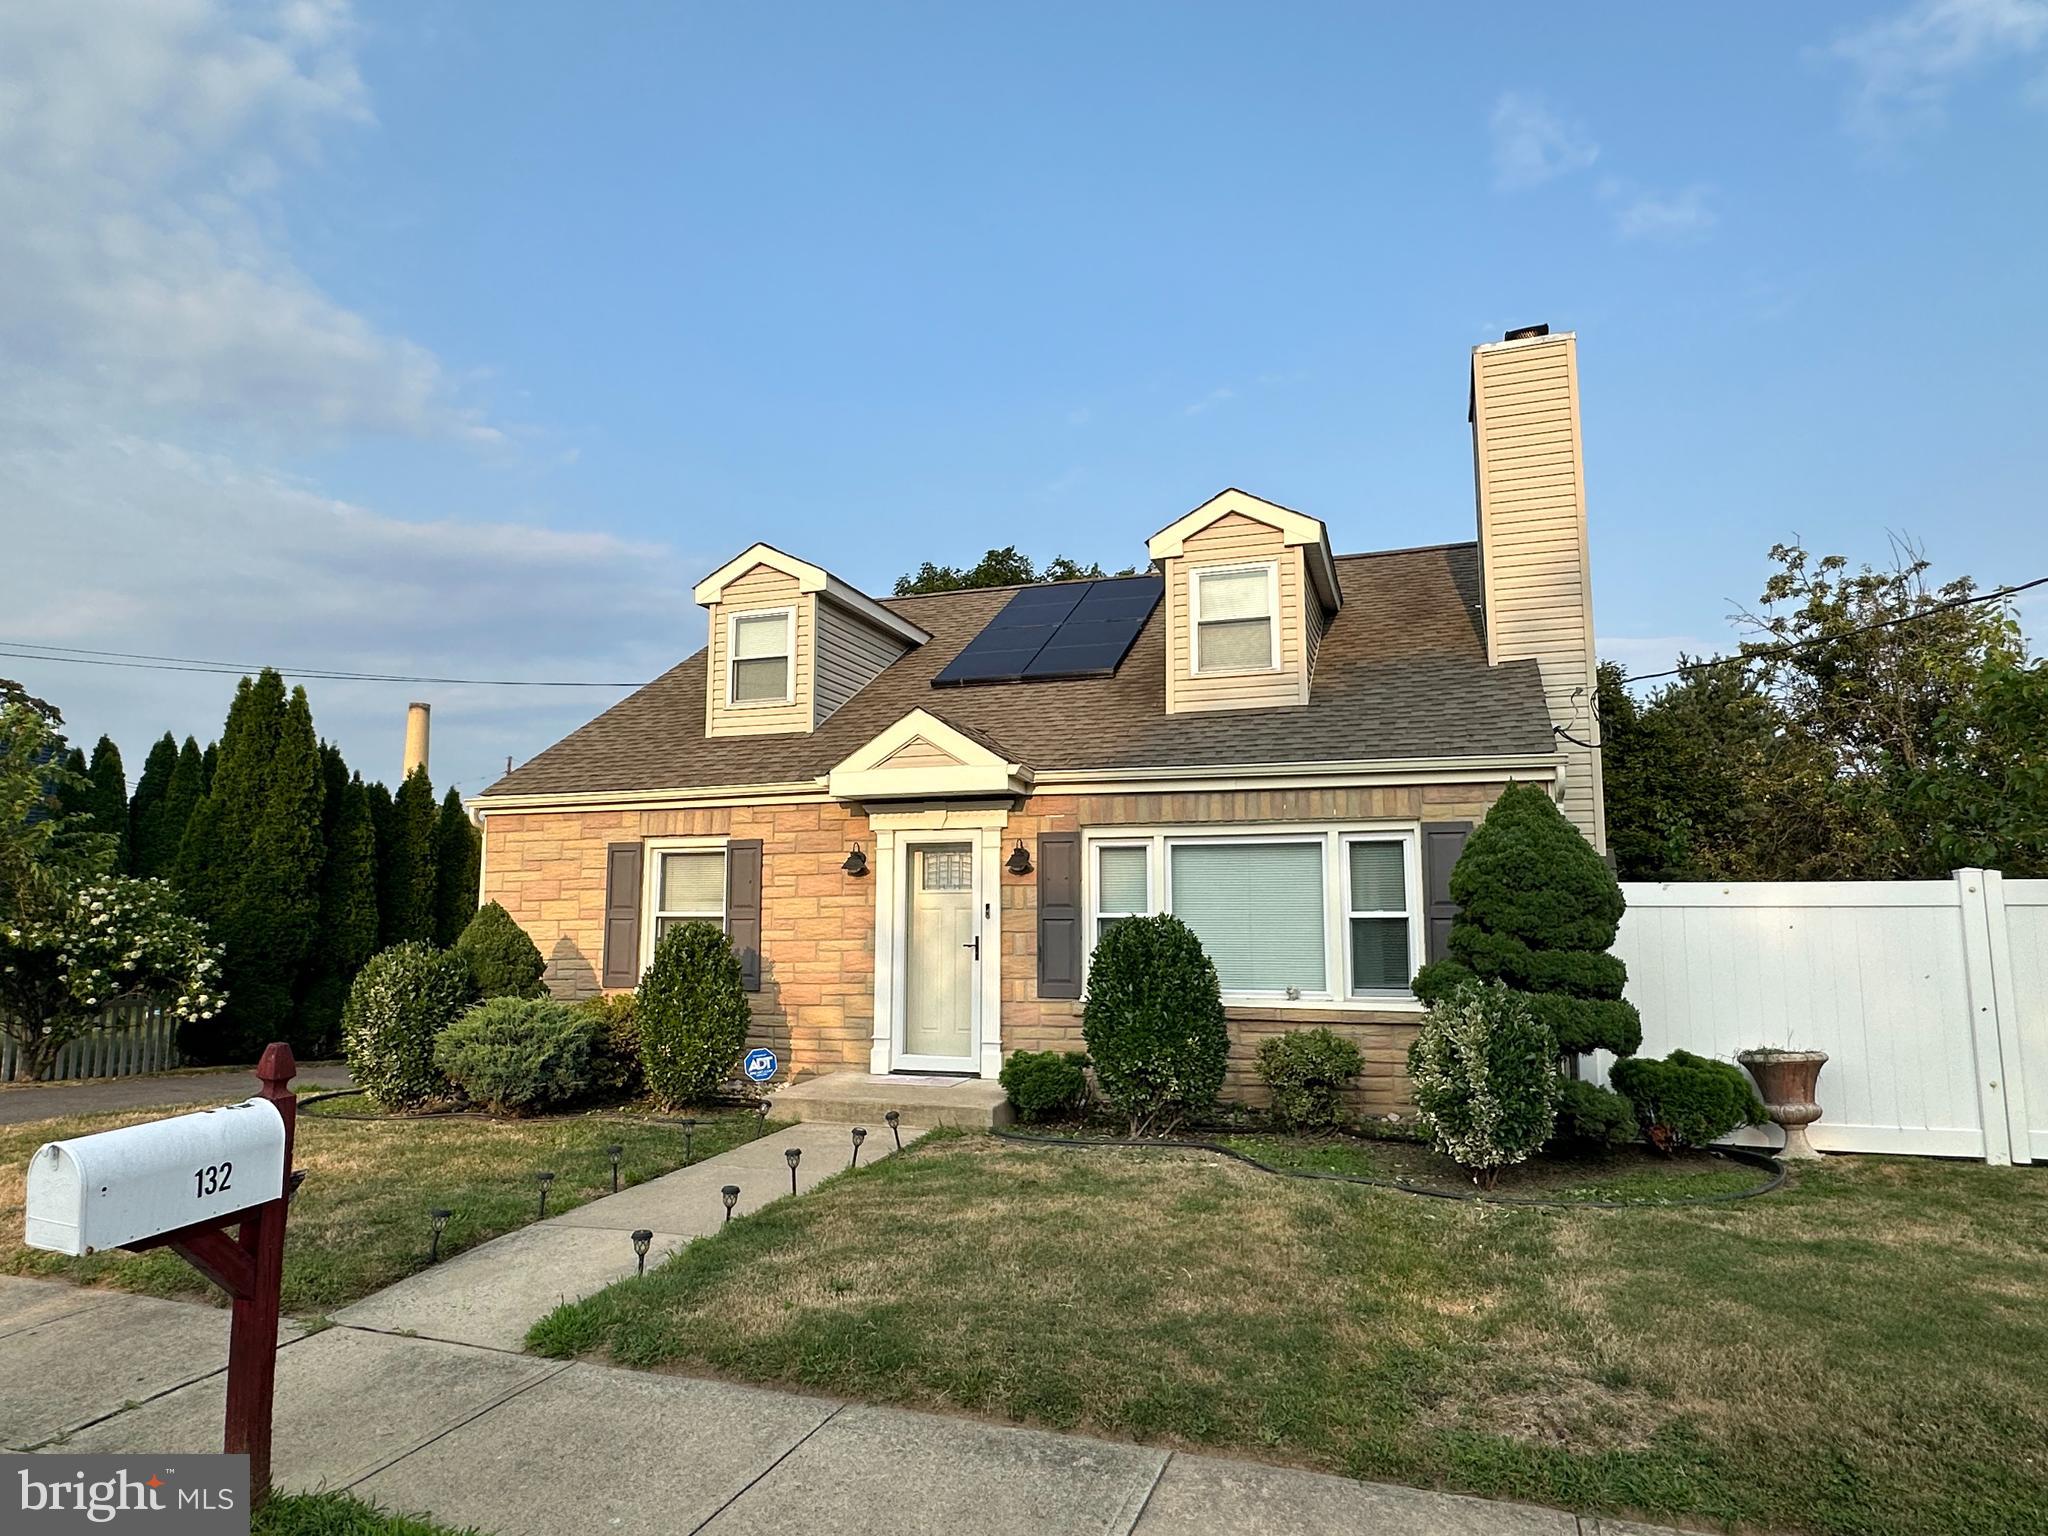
(1251, 588)
(790, 642)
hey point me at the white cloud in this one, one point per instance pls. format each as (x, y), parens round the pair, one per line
(1533, 144)
(1682, 215)
(1905, 65)
(1214, 398)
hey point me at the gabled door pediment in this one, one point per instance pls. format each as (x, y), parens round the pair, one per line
(921, 757)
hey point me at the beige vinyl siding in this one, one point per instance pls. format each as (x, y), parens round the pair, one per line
(851, 653)
(761, 588)
(1532, 541)
(1318, 623)
(1235, 539)
(919, 753)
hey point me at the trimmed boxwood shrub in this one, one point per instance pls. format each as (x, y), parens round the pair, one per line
(1686, 1100)
(1537, 910)
(514, 1054)
(1154, 1022)
(400, 1001)
(692, 1013)
(502, 960)
(1045, 1085)
(1307, 1071)
(615, 1071)
(1591, 1118)
(1484, 1070)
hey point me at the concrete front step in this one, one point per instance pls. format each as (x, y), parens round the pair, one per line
(860, 1098)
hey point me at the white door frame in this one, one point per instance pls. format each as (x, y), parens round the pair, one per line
(895, 833)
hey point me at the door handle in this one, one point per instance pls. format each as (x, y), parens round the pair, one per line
(975, 946)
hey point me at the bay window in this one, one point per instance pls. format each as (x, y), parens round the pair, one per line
(1297, 914)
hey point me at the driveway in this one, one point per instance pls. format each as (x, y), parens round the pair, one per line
(23, 1102)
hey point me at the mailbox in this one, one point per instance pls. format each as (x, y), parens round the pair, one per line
(119, 1187)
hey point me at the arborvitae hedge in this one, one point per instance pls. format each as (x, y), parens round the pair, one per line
(1537, 910)
(458, 852)
(110, 798)
(405, 875)
(148, 854)
(348, 905)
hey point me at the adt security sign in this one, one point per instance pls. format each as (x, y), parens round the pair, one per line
(760, 1065)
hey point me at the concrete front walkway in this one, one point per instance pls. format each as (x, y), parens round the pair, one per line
(518, 1446)
(491, 1294)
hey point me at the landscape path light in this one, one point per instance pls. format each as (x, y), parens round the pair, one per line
(642, 1241)
(793, 1156)
(438, 1220)
(860, 1134)
(614, 1153)
(895, 1123)
(689, 1136)
(546, 1177)
(731, 1196)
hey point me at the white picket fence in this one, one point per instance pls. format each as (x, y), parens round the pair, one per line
(1929, 996)
(134, 1037)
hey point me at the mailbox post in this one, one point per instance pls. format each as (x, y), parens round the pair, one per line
(67, 1213)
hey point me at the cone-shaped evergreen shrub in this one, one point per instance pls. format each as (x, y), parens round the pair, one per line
(1537, 910)
(109, 799)
(400, 1003)
(692, 1012)
(1154, 1022)
(348, 906)
(405, 869)
(457, 850)
(502, 960)
(148, 853)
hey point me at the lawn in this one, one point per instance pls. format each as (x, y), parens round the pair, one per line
(1864, 1351)
(335, 1514)
(360, 1220)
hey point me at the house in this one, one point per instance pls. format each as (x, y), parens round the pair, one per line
(913, 815)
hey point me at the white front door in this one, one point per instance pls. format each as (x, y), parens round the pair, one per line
(941, 958)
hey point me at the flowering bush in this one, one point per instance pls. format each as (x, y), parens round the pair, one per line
(63, 964)
(1485, 1079)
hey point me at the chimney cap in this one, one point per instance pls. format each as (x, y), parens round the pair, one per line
(1527, 333)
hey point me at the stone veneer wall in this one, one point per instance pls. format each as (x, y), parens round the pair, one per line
(816, 1004)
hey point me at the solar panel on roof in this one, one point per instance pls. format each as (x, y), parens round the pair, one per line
(1072, 629)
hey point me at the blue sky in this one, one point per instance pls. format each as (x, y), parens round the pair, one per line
(462, 339)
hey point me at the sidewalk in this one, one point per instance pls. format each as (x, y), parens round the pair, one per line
(200, 1089)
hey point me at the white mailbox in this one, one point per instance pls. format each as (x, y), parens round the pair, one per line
(119, 1187)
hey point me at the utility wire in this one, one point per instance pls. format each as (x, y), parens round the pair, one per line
(33, 650)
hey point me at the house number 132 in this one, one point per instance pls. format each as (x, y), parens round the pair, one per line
(210, 1181)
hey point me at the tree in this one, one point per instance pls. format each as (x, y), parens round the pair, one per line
(209, 761)
(216, 841)
(458, 854)
(503, 961)
(170, 819)
(1003, 567)
(109, 798)
(146, 854)
(1982, 802)
(383, 827)
(405, 876)
(1537, 910)
(48, 846)
(347, 934)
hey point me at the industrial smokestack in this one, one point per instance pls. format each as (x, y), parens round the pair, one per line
(415, 736)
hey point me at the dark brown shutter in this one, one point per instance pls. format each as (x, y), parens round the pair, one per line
(1442, 842)
(1059, 914)
(743, 906)
(622, 915)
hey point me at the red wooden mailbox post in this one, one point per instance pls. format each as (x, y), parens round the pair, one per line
(250, 1268)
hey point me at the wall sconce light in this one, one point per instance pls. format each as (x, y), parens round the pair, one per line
(1020, 859)
(642, 1241)
(856, 863)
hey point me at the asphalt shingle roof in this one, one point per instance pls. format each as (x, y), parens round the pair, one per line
(1401, 673)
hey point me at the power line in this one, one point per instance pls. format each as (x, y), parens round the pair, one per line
(144, 661)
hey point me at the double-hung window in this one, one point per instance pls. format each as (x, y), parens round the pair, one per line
(1235, 619)
(689, 886)
(760, 649)
(1319, 914)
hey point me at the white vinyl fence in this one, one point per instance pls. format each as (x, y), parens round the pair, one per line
(1929, 996)
(133, 1037)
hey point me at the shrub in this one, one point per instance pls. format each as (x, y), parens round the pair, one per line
(402, 998)
(1154, 1022)
(510, 1054)
(502, 960)
(1591, 1118)
(1307, 1071)
(1537, 910)
(615, 1071)
(1045, 1085)
(1484, 1070)
(1686, 1100)
(692, 1012)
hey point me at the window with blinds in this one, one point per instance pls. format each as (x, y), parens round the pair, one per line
(1123, 884)
(1376, 907)
(1234, 619)
(1257, 908)
(760, 657)
(688, 887)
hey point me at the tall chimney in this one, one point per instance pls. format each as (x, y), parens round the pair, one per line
(1529, 471)
(415, 736)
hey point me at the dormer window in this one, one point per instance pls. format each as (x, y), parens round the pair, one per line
(762, 646)
(1233, 610)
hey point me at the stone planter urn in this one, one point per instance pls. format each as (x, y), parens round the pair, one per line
(1787, 1080)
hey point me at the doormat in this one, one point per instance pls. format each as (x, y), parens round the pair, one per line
(925, 1079)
